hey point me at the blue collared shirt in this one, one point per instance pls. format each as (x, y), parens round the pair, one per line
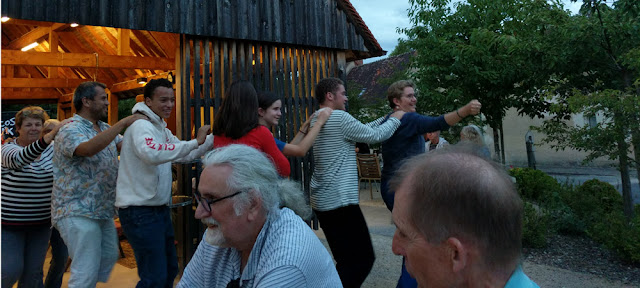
(286, 254)
(520, 280)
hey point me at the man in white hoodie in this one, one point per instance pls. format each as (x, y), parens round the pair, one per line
(143, 191)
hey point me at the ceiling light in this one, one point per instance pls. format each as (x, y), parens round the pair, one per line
(30, 46)
(5, 19)
(74, 25)
(142, 80)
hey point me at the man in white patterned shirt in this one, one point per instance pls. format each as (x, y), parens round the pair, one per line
(334, 184)
(254, 237)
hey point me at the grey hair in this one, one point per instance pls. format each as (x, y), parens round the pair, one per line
(253, 172)
(472, 133)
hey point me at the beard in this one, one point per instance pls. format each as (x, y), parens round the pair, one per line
(99, 112)
(214, 236)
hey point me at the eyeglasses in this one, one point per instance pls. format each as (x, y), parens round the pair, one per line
(210, 202)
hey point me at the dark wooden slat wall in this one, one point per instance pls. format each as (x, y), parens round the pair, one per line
(316, 23)
(209, 65)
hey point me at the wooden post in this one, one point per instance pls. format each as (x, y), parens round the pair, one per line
(179, 109)
(53, 47)
(123, 41)
(61, 115)
(113, 108)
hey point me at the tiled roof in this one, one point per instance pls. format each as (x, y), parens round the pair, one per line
(369, 76)
(370, 41)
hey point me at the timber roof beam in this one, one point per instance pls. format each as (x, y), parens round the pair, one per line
(85, 60)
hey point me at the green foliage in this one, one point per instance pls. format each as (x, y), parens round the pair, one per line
(496, 51)
(592, 209)
(360, 109)
(535, 226)
(125, 106)
(619, 235)
(594, 199)
(601, 76)
(401, 48)
(535, 185)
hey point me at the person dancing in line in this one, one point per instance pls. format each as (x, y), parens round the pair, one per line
(237, 123)
(27, 181)
(59, 252)
(269, 112)
(408, 141)
(472, 134)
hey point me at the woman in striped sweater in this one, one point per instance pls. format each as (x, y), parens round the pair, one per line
(27, 180)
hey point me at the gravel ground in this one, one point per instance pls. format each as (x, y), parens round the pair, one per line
(583, 255)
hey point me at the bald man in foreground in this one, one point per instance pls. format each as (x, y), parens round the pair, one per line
(459, 221)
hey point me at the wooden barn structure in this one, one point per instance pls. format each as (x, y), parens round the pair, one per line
(280, 45)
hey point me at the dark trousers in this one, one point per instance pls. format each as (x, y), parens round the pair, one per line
(386, 193)
(58, 264)
(350, 243)
(150, 233)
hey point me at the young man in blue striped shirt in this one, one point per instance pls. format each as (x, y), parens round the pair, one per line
(334, 184)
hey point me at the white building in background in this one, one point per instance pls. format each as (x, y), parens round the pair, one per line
(515, 128)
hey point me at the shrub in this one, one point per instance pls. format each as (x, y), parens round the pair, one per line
(535, 185)
(593, 200)
(564, 221)
(617, 234)
(534, 226)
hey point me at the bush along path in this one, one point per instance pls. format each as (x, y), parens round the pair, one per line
(581, 228)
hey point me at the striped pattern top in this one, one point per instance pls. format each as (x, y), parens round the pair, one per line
(334, 183)
(286, 254)
(26, 183)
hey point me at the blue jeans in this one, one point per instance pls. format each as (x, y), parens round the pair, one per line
(23, 252)
(150, 233)
(93, 246)
(59, 256)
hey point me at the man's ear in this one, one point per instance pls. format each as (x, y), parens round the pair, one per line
(147, 101)
(328, 96)
(458, 254)
(396, 101)
(85, 102)
(255, 206)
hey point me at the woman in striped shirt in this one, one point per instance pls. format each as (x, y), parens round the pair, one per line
(27, 180)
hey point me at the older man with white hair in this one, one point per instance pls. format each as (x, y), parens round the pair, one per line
(254, 237)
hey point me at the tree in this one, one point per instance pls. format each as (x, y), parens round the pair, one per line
(401, 48)
(601, 76)
(491, 50)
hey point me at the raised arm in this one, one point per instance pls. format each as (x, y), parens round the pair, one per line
(302, 143)
(16, 157)
(355, 131)
(102, 140)
(157, 151)
(472, 108)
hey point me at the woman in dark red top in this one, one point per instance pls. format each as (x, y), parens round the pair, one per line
(237, 123)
